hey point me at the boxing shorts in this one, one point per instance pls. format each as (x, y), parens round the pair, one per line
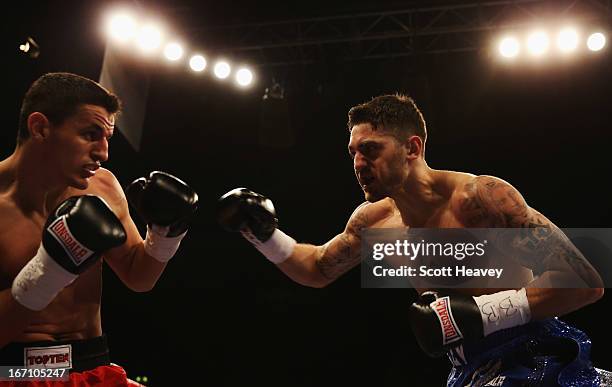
(87, 361)
(541, 353)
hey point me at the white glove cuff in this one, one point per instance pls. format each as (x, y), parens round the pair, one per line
(40, 280)
(277, 249)
(502, 310)
(159, 246)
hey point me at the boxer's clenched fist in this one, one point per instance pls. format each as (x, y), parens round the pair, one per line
(254, 216)
(77, 232)
(167, 204)
(241, 209)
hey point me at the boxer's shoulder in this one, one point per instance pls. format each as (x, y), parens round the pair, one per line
(475, 196)
(105, 185)
(375, 214)
(105, 181)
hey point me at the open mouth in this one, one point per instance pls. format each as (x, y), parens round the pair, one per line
(366, 181)
(89, 170)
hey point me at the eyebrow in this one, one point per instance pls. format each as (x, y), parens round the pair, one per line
(101, 130)
(363, 144)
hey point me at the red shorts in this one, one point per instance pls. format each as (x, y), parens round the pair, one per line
(105, 375)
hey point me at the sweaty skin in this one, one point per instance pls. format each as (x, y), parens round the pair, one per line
(57, 162)
(403, 191)
(75, 312)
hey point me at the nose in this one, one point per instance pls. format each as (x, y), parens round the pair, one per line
(359, 162)
(100, 152)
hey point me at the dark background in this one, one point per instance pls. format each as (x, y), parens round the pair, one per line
(222, 314)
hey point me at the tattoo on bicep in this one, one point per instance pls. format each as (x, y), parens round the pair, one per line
(540, 245)
(544, 247)
(345, 252)
(553, 251)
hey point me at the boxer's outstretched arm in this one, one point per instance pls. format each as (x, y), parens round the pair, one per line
(559, 261)
(317, 266)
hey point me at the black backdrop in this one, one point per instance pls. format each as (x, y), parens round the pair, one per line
(222, 314)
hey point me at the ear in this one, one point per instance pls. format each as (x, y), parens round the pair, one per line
(414, 147)
(39, 126)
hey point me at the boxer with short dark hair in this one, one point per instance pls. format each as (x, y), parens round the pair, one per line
(501, 336)
(61, 216)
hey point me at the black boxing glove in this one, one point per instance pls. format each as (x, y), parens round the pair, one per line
(253, 215)
(443, 322)
(167, 204)
(76, 233)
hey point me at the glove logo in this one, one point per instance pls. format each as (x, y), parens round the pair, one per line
(450, 329)
(76, 251)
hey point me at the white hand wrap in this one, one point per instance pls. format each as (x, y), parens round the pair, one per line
(502, 310)
(40, 281)
(277, 249)
(159, 246)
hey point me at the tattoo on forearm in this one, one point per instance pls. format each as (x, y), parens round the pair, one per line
(345, 252)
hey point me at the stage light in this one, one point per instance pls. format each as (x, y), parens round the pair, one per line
(197, 63)
(567, 40)
(173, 51)
(244, 77)
(596, 41)
(121, 26)
(537, 43)
(222, 69)
(30, 48)
(149, 37)
(509, 47)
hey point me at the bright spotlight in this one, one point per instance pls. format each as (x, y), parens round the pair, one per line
(197, 63)
(596, 41)
(222, 70)
(244, 77)
(537, 43)
(509, 47)
(121, 27)
(30, 47)
(149, 37)
(173, 51)
(567, 40)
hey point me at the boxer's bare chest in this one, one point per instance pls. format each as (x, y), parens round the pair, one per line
(74, 313)
(20, 237)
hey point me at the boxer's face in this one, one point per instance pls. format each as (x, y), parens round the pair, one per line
(80, 143)
(378, 161)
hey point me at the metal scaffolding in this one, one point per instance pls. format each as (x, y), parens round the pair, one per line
(418, 30)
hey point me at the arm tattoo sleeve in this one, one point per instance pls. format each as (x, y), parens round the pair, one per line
(540, 245)
(344, 251)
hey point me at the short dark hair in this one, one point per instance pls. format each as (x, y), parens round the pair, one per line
(59, 95)
(396, 113)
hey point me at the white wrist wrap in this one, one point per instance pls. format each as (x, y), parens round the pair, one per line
(40, 281)
(277, 249)
(502, 310)
(159, 246)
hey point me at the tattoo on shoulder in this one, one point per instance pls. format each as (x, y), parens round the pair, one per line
(490, 202)
(542, 245)
(344, 252)
(471, 207)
